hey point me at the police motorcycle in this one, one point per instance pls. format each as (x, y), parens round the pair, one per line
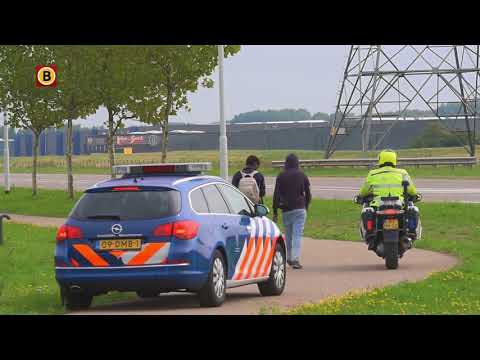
(391, 229)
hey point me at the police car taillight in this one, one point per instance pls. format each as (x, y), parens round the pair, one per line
(177, 168)
(163, 230)
(183, 230)
(66, 232)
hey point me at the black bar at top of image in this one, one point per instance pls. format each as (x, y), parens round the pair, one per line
(227, 24)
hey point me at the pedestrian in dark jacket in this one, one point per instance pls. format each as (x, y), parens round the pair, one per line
(255, 191)
(292, 195)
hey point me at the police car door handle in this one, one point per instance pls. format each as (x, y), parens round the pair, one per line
(224, 226)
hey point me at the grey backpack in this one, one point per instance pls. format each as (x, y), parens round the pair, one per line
(248, 185)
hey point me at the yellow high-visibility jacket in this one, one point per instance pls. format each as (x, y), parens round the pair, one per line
(386, 181)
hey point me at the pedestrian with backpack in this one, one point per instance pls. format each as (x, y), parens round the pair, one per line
(292, 195)
(250, 181)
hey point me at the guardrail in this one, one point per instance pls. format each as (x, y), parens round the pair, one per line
(87, 163)
(415, 162)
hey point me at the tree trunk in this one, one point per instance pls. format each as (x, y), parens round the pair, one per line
(68, 155)
(111, 151)
(165, 123)
(164, 140)
(36, 141)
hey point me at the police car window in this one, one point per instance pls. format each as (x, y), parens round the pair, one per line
(237, 201)
(215, 201)
(129, 205)
(199, 204)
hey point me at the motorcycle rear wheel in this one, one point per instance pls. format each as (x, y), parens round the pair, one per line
(391, 255)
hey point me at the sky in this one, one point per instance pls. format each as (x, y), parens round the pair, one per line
(262, 77)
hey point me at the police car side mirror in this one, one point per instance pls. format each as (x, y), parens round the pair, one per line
(261, 210)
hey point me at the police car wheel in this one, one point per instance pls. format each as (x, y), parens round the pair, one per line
(213, 292)
(79, 301)
(275, 284)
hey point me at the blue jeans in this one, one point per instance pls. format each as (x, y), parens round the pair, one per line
(294, 222)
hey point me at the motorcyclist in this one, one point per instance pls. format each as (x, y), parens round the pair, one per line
(386, 180)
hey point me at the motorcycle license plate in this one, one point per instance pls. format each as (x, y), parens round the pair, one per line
(390, 224)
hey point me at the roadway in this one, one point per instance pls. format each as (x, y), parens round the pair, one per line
(322, 187)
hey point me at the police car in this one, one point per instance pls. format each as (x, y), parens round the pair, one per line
(166, 227)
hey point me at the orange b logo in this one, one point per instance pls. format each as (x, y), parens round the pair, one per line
(46, 75)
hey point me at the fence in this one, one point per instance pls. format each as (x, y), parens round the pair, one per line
(416, 162)
(83, 164)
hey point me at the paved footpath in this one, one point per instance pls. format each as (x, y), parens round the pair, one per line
(331, 268)
(37, 220)
(322, 187)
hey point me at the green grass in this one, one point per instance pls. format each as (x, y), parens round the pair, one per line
(97, 163)
(53, 203)
(27, 278)
(447, 227)
(26, 260)
(423, 172)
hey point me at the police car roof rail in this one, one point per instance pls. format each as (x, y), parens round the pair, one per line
(204, 177)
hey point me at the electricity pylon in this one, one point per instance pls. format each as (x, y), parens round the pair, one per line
(386, 82)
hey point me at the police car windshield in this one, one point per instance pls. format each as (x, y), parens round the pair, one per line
(127, 205)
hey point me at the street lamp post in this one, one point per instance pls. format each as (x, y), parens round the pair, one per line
(6, 154)
(223, 126)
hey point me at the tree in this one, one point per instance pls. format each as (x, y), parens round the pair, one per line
(436, 136)
(118, 79)
(272, 115)
(175, 70)
(75, 96)
(28, 107)
(321, 116)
